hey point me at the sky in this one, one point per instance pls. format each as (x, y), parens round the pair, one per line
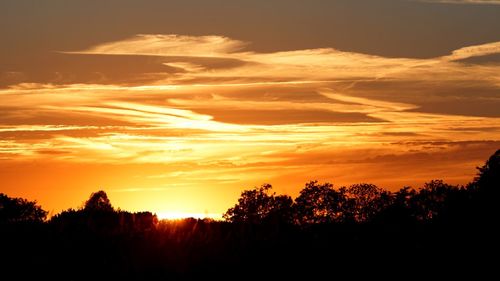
(177, 106)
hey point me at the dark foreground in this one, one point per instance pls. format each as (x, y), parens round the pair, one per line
(195, 249)
(438, 232)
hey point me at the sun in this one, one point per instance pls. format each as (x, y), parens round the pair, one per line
(174, 215)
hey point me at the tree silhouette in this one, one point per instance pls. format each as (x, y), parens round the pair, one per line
(259, 205)
(20, 210)
(320, 203)
(280, 209)
(399, 210)
(488, 178)
(439, 222)
(432, 200)
(487, 186)
(367, 200)
(98, 202)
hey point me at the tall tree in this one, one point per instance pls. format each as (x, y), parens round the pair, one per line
(99, 202)
(487, 186)
(488, 178)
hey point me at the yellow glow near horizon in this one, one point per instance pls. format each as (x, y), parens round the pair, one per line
(181, 215)
(221, 119)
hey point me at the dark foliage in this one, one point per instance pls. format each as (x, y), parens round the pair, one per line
(259, 205)
(98, 216)
(20, 210)
(98, 202)
(320, 203)
(437, 231)
(487, 187)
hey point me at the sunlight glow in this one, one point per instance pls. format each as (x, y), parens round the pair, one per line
(181, 215)
(219, 117)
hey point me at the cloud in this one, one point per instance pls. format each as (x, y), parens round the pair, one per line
(474, 51)
(169, 45)
(139, 189)
(221, 116)
(279, 66)
(299, 67)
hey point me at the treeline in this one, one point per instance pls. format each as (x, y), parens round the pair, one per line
(321, 203)
(317, 203)
(97, 214)
(358, 203)
(359, 229)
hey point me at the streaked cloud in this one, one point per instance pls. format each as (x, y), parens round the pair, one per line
(222, 115)
(169, 45)
(475, 51)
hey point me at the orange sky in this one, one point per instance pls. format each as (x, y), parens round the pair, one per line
(180, 122)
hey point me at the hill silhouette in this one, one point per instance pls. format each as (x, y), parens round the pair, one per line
(439, 230)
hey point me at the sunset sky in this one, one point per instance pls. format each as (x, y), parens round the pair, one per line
(177, 106)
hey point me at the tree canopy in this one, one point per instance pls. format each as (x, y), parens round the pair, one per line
(259, 205)
(20, 210)
(324, 229)
(321, 203)
(98, 202)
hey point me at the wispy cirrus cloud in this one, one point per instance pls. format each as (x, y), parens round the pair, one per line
(221, 115)
(203, 61)
(169, 45)
(474, 51)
